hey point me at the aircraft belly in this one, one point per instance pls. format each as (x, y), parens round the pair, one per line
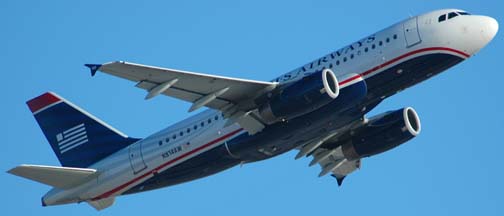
(408, 73)
(205, 164)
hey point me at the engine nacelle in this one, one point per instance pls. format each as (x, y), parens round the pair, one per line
(382, 133)
(301, 97)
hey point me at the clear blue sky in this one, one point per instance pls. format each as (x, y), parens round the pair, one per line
(453, 168)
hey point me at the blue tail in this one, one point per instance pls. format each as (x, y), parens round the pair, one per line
(77, 138)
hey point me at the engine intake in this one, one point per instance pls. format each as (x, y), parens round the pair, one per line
(382, 133)
(301, 97)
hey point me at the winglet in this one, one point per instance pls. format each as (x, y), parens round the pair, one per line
(339, 179)
(93, 68)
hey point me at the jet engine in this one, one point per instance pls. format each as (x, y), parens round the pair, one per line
(382, 133)
(301, 97)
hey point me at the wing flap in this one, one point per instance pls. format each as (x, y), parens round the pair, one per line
(182, 94)
(331, 160)
(59, 177)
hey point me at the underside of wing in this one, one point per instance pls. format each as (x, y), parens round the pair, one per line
(332, 159)
(212, 91)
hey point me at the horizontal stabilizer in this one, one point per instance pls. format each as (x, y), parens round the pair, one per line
(59, 177)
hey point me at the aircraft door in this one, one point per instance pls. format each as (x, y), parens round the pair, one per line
(411, 33)
(136, 158)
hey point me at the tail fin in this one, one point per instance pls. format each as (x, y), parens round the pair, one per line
(77, 138)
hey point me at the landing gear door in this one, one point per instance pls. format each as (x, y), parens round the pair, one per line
(411, 33)
(136, 157)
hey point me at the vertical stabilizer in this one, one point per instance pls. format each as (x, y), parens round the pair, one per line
(77, 138)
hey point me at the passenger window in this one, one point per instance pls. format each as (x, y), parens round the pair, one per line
(395, 36)
(174, 136)
(195, 127)
(373, 46)
(452, 14)
(181, 133)
(167, 140)
(380, 43)
(209, 121)
(330, 65)
(188, 130)
(160, 142)
(351, 56)
(216, 118)
(387, 40)
(344, 59)
(202, 124)
(442, 18)
(337, 62)
(366, 49)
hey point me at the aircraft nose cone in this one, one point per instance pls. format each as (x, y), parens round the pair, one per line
(491, 28)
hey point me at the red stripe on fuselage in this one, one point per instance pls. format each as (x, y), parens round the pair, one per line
(157, 169)
(413, 53)
(42, 101)
(123, 186)
(374, 69)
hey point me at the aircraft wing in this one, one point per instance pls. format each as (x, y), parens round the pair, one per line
(217, 92)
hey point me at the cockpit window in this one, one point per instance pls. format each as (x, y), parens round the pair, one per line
(452, 14)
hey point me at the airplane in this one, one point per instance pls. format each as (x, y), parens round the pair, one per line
(318, 109)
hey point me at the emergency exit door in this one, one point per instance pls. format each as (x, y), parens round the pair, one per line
(411, 33)
(136, 158)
